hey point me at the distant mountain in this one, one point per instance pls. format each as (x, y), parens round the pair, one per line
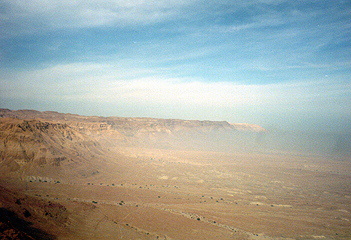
(129, 125)
(34, 143)
(248, 127)
(128, 131)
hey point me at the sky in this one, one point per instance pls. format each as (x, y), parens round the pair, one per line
(281, 64)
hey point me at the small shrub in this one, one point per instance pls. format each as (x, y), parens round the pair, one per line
(27, 213)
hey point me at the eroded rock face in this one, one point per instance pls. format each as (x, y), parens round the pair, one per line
(127, 125)
(32, 141)
(32, 145)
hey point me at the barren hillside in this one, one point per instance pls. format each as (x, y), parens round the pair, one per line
(164, 133)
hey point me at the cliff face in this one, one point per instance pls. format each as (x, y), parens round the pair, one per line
(132, 126)
(34, 146)
(125, 131)
(33, 142)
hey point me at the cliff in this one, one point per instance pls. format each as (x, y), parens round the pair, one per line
(34, 143)
(131, 126)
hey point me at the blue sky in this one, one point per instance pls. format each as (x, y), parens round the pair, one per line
(281, 64)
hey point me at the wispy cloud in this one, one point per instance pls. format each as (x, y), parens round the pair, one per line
(21, 17)
(106, 83)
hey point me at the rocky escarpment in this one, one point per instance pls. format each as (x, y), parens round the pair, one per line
(33, 146)
(60, 138)
(146, 132)
(130, 126)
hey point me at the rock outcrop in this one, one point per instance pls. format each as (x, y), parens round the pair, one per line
(34, 143)
(131, 126)
(34, 146)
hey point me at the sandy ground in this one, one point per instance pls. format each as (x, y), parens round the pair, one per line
(169, 194)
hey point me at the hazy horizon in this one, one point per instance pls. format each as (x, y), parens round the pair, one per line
(282, 65)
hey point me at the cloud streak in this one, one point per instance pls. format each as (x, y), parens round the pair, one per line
(26, 17)
(34, 15)
(91, 82)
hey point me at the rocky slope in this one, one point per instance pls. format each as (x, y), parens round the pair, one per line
(34, 147)
(24, 217)
(125, 131)
(131, 126)
(34, 143)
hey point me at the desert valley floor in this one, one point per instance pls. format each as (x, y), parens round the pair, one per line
(134, 192)
(159, 194)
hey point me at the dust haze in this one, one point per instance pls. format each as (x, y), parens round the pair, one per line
(67, 176)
